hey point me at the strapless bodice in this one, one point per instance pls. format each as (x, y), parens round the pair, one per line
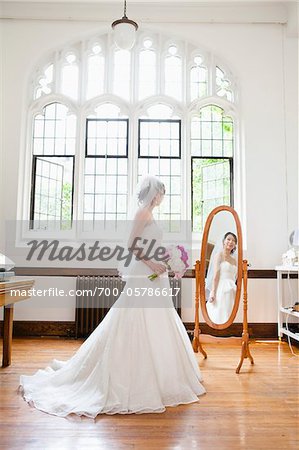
(153, 234)
(228, 271)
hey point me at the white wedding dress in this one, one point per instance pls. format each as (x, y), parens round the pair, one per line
(138, 360)
(221, 308)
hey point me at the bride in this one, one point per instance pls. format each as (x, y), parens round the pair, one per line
(139, 359)
(221, 280)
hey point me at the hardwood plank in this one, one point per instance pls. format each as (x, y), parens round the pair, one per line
(255, 410)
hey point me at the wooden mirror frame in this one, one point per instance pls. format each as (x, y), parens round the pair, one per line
(202, 269)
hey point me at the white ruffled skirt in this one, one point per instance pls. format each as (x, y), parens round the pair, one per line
(138, 360)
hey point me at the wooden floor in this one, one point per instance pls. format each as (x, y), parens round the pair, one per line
(257, 409)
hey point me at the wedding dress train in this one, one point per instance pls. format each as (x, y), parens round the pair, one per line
(138, 360)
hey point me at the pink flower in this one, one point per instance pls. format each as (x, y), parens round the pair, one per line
(174, 257)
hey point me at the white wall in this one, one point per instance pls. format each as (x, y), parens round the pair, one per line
(264, 59)
(1, 144)
(47, 305)
(291, 122)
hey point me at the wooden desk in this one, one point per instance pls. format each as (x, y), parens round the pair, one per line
(7, 300)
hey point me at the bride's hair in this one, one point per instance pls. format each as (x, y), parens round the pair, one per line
(148, 188)
(235, 239)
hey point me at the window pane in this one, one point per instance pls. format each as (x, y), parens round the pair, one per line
(44, 82)
(105, 193)
(108, 172)
(211, 187)
(107, 110)
(99, 203)
(198, 82)
(38, 128)
(122, 73)
(159, 138)
(161, 141)
(52, 193)
(212, 134)
(95, 76)
(100, 183)
(70, 80)
(147, 73)
(107, 137)
(173, 77)
(54, 131)
(223, 85)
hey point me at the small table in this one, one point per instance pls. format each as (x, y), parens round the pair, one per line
(282, 308)
(11, 291)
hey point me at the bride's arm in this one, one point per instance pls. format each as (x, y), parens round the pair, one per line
(216, 277)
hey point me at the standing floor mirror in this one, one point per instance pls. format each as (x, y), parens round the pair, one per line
(220, 275)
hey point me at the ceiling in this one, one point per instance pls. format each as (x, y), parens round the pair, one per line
(165, 11)
(169, 2)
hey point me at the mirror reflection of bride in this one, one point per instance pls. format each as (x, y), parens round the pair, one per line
(221, 279)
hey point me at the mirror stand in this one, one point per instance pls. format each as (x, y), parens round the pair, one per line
(196, 344)
(245, 352)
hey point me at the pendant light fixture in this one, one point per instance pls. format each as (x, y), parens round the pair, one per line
(124, 31)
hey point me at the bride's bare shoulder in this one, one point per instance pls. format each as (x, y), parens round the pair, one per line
(219, 257)
(143, 214)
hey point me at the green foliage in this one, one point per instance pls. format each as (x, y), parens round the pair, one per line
(66, 206)
(200, 208)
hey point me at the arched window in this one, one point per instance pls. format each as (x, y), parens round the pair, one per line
(107, 116)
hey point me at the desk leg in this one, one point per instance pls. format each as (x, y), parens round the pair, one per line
(7, 335)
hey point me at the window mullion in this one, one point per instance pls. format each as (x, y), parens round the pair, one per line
(83, 79)
(79, 170)
(160, 67)
(57, 73)
(212, 77)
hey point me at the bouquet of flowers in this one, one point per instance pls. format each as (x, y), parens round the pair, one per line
(176, 261)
